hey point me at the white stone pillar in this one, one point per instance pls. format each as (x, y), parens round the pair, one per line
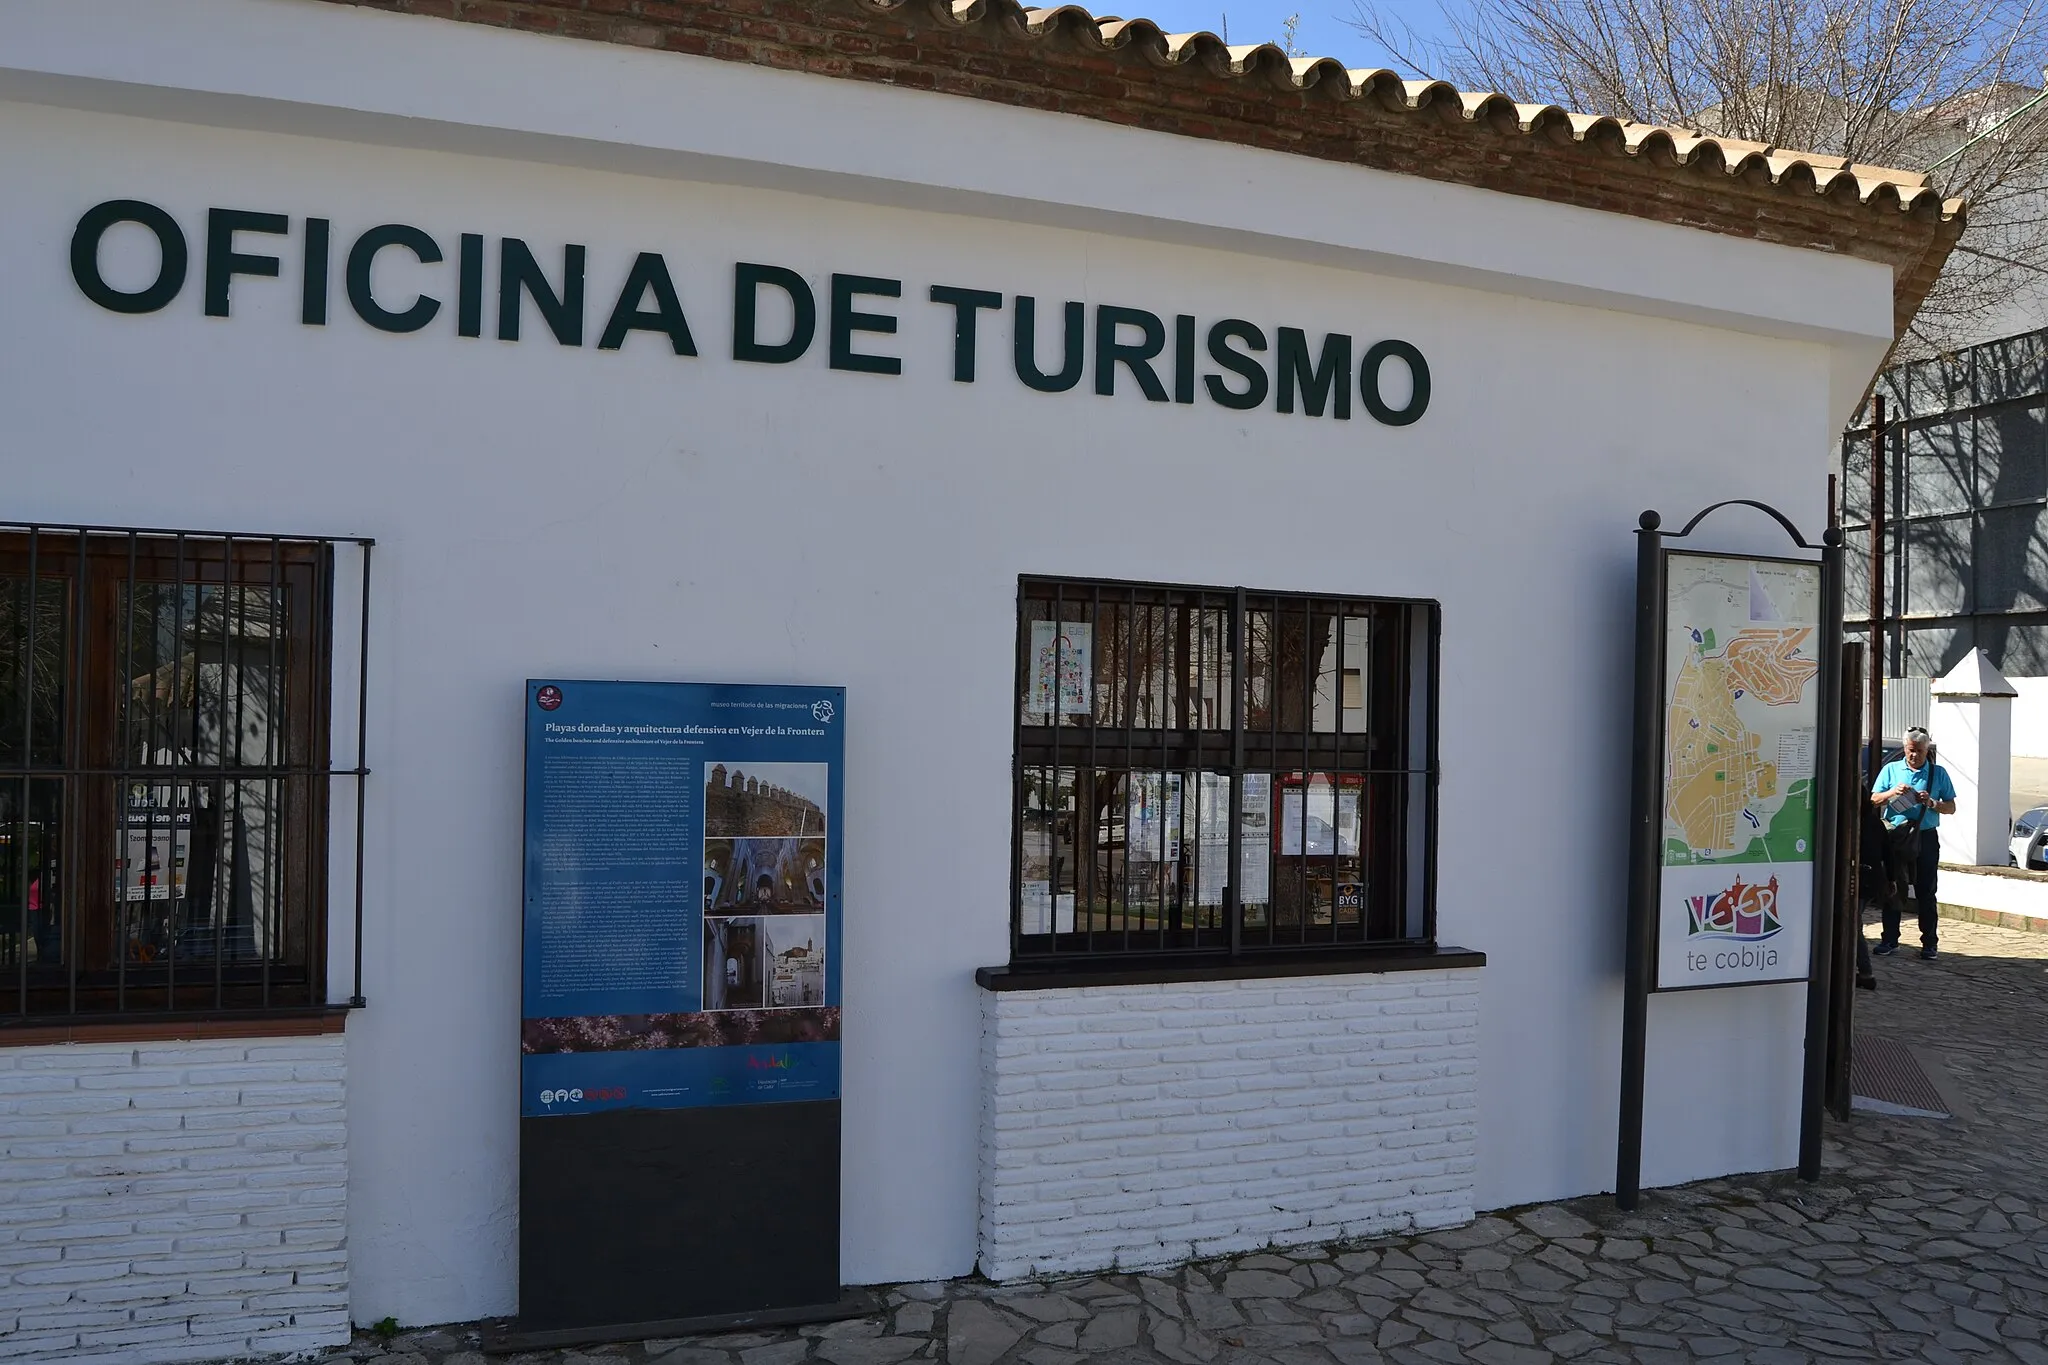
(1970, 720)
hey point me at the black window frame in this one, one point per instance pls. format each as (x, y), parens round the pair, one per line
(238, 762)
(1387, 769)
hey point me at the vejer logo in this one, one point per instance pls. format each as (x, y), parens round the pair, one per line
(821, 711)
(1745, 912)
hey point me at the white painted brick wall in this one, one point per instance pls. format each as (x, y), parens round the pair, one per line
(172, 1201)
(1135, 1126)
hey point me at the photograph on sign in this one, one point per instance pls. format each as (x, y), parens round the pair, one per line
(733, 975)
(761, 800)
(795, 947)
(772, 876)
(1741, 713)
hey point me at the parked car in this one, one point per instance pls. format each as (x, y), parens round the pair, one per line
(2030, 840)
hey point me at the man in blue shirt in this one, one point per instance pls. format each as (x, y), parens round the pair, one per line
(1911, 795)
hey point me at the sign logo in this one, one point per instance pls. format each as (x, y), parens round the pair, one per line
(1745, 912)
(551, 1097)
(548, 698)
(821, 711)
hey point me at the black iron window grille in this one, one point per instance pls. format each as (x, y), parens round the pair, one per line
(1219, 771)
(167, 711)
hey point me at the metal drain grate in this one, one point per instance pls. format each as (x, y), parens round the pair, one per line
(1885, 1076)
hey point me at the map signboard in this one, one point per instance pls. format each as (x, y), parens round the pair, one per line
(1741, 717)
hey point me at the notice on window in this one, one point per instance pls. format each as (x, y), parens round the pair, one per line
(1319, 822)
(1255, 838)
(152, 859)
(1155, 817)
(682, 918)
(153, 843)
(1064, 652)
(1212, 842)
(1045, 913)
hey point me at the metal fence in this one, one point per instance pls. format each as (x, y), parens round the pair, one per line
(1966, 493)
(1218, 770)
(1907, 702)
(169, 725)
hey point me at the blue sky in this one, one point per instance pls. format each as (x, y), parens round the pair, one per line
(1322, 32)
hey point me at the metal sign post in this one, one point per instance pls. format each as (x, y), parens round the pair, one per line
(1731, 935)
(1827, 828)
(1646, 765)
(679, 1040)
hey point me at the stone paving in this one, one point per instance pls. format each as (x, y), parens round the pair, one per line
(1927, 1240)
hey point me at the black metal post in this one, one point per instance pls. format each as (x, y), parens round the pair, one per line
(1826, 823)
(1875, 663)
(1241, 640)
(1645, 828)
(1902, 568)
(1020, 701)
(355, 998)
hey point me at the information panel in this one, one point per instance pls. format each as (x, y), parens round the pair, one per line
(682, 924)
(1741, 718)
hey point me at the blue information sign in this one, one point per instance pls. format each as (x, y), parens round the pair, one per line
(682, 932)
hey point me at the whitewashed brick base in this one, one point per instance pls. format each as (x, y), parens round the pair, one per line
(172, 1201)
(1135, 1126)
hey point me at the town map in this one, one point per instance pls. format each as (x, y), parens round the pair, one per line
(1741, 710)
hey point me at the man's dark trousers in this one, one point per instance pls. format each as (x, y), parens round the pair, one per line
(1925, 866)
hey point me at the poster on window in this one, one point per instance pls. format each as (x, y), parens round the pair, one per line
(1065, 651)
(1320, 822)
(1212, 838)
(153, 843)
(1255, 838)
(1043, 912)
(1154, 817)
(152, 860)
(682, 917)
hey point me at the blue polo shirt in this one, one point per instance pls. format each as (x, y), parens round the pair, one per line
(1931, 778)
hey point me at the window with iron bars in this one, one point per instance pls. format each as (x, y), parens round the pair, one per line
(1216, 771)
(165, 714)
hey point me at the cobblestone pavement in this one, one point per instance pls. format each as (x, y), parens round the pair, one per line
(1926, 1241)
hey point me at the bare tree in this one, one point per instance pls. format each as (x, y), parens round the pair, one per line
(1947, 86)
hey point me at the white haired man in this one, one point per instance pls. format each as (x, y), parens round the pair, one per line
(1911, 795)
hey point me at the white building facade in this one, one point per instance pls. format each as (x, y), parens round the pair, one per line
(610, 495)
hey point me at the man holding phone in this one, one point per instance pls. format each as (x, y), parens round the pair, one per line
(1911, 794)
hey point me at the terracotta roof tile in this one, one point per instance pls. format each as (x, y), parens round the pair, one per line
(1132, 72)
(1733, 155)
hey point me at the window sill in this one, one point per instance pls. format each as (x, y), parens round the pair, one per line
(146, 1028)
(1050, 976)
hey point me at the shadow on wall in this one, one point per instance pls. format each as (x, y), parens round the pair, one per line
(1967, 505)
